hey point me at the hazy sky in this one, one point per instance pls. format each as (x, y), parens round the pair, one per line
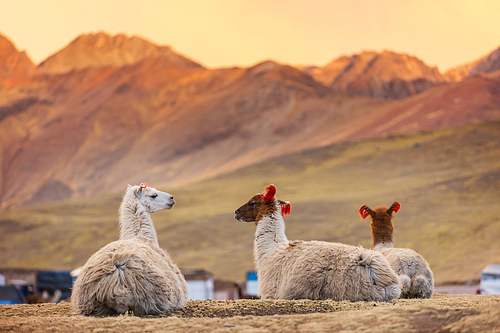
(217, 33)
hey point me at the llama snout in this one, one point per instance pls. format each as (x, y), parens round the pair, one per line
(237, 216)
(170, 202)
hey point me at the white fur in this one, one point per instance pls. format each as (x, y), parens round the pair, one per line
(132, 273)
(417, 280)
(136, 208)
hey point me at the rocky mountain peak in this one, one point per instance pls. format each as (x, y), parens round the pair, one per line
(488, 63)
(385, 74)
(101, 49)
(13, 63)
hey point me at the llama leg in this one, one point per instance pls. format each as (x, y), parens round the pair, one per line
(420, 287)
(405, 285)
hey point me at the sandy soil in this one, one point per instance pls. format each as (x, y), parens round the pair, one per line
(442, 313)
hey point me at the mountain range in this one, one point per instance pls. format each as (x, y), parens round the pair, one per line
(106, 110)
(383, 75)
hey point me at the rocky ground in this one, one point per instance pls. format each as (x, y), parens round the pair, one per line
(442, 313)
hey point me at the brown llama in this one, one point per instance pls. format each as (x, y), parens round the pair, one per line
(416, 277)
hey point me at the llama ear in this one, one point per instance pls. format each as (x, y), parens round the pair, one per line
(138, 192)
(286, 208)
(364, 211)
(394, 208)
(269, 193)
(141, 188)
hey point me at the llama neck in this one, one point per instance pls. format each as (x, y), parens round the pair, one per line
(269, 236)
(382, 235)
(380, 246)
(136, 220)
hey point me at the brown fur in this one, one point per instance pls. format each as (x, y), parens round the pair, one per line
(382, 227)
(293, 243)
(256, 208)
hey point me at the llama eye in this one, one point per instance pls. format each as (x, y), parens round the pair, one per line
(252, 203)
(154, 195)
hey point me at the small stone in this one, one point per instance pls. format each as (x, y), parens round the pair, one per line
(229, 325)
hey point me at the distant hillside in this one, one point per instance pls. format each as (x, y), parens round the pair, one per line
(101, 49)
(108, 110)
(475, 99)
(382, 75)
(448, 183)
(486, 64)
(14, 64)
(97, 128)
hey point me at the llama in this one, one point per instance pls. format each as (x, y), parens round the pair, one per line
(416, 277)
(311, 269)
(133, 273)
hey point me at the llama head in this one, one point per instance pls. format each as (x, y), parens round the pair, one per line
(381, 226)
(261, 205)
(380, 213)
(152, 199)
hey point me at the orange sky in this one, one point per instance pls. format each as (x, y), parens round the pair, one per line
(217, 33)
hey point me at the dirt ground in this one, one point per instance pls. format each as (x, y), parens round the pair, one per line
(442, 313)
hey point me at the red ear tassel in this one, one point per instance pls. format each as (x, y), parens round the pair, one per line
(144, 185)
(363, 211)
(396, 206)
(286, 209)
(269, 193)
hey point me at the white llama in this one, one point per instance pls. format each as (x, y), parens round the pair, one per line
(133, 273)
(312, 269)
(416, 277)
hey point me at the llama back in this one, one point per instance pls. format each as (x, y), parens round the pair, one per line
(416, 276)
(129, 275)
(322, 270)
